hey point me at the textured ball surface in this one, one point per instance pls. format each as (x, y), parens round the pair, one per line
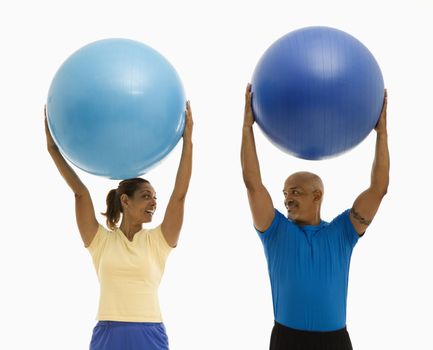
(317, 92)
(116, 108)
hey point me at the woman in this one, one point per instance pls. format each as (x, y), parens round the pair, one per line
(129, 260)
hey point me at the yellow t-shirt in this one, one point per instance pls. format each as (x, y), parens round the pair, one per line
(129, 274)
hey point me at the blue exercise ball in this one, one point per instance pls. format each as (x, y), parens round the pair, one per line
(317, 92)
(116, 108)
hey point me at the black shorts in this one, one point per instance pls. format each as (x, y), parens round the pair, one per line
(285, 338)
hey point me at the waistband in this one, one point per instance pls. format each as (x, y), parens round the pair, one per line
(123, 324)
(294, 331)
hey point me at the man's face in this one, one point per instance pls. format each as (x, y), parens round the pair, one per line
(300, 199)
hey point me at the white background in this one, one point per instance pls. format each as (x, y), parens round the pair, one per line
(215, 293)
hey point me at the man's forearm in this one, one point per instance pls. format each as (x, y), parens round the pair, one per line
(249, 159)
(381, 164)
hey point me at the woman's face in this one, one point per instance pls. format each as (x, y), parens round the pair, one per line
(142, 205)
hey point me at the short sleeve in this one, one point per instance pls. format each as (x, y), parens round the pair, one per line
(158, 244)
(266, 235)
(350, 235)
(97, 245)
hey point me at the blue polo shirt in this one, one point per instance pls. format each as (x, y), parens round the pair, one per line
(309, 270)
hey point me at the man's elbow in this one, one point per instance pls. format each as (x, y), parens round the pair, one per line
(380, 185)
(380, 190)
(383, 192)
(251, 182)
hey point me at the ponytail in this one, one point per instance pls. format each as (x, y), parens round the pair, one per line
(114, 209)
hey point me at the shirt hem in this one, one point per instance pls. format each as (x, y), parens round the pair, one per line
(128, 319)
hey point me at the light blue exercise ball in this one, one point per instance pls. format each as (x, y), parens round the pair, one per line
(116, 108)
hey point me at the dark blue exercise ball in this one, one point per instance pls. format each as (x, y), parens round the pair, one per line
(317, 92)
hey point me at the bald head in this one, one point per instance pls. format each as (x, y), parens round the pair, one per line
(305, 179)
(306, 182)
(303, 194)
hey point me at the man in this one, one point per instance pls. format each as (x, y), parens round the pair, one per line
(308, 258)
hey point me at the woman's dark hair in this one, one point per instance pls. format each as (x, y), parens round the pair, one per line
(114, 207)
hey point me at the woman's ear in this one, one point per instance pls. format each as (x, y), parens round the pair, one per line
(124, 200)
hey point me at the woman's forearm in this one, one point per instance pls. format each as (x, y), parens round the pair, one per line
(66, 171)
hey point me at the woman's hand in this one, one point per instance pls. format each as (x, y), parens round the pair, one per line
(50, 141)
(187, 133)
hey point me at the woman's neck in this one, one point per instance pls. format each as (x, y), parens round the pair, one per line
(129, 229)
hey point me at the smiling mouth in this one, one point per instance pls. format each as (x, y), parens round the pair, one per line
(150, 212)
(291, 208)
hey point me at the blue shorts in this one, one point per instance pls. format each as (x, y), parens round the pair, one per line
(114, 335)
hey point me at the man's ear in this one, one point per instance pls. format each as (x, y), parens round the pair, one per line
(317, 195)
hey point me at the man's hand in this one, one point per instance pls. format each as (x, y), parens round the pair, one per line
(381, 123)
(248, 114)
